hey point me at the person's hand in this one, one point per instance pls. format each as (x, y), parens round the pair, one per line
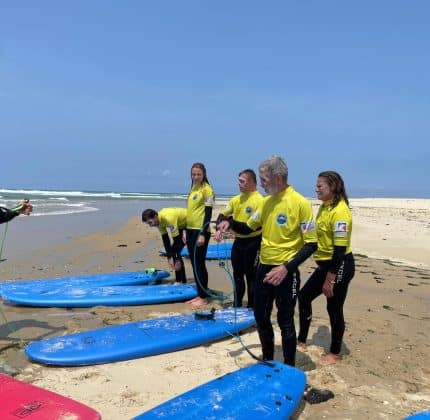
(26, 208)
(330, 280)
(184, 236)
(218, 236)
(171, 263)
(276, 275)
(178, 266)
(201, 240)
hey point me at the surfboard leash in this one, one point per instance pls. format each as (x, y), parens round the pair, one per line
(225, 264)
(218, 296)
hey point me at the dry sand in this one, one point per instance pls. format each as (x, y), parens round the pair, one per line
(384, 374)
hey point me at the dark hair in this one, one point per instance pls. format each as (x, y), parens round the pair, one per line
(250, 173)
(202, 167)
(336, 184)
(148, 214)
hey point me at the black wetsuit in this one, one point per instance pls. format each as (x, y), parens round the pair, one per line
(244, 260)
(313, 288)
(198, 254)
(174, 251)
(6, 214)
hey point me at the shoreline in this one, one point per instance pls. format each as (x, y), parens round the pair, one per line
(385, 352)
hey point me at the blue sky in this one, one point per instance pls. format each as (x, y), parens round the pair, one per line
(126, 95)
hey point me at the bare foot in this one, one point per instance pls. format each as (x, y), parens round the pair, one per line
(192, 300)
(330, 359)
(302, 346)
(198, 302)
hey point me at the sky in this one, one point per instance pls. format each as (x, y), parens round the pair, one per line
(126, 95)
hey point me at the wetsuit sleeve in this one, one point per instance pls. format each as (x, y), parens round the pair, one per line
(337, 258)
(307, 250)
(207, 218)
(6, 214)
(240, 227)
(166, 243)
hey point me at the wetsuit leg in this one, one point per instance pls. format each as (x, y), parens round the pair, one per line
(237, 263)
(286, 297)
(178, 246)
(263, 305)
(251, 258)
(335, 304)
(180, 276)
(311, 290)
(198, 260)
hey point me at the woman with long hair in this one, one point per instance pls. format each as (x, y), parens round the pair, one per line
(335, 262)
(200, 202)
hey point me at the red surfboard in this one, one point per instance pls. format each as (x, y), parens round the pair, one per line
(19, 400)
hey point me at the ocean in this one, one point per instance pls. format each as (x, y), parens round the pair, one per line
(59, 216)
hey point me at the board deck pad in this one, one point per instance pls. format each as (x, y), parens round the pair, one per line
(255, 392)
(88, 296)
(19, 400)
(139, 339)
(103, 279)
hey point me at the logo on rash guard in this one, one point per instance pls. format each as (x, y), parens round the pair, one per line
(340, 228)
(195, 197)
(281, 219)
(248, 210)
(209, 200)
(308, 226)
(172, 228)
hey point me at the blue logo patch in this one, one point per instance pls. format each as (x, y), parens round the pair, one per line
(281, 219)
(248, 210)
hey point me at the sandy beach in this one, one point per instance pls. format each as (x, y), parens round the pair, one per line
(384, 373)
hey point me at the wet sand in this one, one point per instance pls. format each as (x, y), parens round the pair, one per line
(384, 373)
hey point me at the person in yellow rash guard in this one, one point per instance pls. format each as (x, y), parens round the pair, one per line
(173, 220)
(246, 248)
(335, 262)
(288, 238)
(200, 201)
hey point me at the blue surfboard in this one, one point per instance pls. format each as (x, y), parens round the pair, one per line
(147, 276)
(423, 415)
(138, 339)
(87, 296)
(221, 251)
(255, 392)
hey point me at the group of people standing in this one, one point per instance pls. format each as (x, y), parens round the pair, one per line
(274, 234)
